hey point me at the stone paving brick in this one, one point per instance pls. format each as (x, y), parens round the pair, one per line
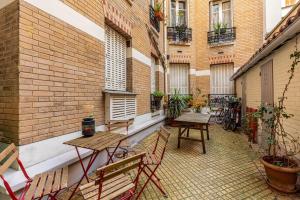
(229, 170)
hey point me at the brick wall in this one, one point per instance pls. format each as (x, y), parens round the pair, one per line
(281, 64)
(60, 72)
(9, 95)
(248, 20)
(61, 69)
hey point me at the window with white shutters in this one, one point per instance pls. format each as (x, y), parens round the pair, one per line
(220, 82)
(179, 78)
(115, 60)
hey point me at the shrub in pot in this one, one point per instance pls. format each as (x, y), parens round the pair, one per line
(157, 96)
(176, 105)
(158, 11)
(280, 165)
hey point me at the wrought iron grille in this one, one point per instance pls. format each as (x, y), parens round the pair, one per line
(179, 34)
(153, 20)
(222, 35)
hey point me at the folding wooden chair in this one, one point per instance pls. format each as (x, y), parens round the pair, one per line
(115, 124)
(154, 156)
(114, 181)
(46, 184)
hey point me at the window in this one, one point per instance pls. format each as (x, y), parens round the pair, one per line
(153, 71)
(178, 13)
(179, 78)
(220, 12)
(152, 3)
(220, 79)
(115, 60)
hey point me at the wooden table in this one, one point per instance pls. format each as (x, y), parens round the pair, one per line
(99, 142)
(196, 121)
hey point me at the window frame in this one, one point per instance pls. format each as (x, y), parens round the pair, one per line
(180, 69)
(220, 16)
(177, 11)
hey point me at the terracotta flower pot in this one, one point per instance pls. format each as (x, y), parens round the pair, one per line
(159, 16)
(281, 178)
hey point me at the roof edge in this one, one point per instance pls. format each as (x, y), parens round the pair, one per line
(286, 32)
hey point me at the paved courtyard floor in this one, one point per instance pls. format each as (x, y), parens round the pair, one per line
(229, 170)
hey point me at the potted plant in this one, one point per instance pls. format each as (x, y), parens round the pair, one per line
(279, 163)
(158, 11)
(157, 96)
(217, 28)
(176, 105)
(188, 100)
(223, 28)
(199, 101)
(88, 124)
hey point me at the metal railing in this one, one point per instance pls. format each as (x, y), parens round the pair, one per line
(153, 20)
(222, 35)
(179, 34)
(219, 100)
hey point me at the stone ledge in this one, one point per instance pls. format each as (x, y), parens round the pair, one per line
(17, 180)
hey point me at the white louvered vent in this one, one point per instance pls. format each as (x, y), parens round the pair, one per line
(122, 107)
(115, 60)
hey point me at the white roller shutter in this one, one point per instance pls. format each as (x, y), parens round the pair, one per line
(220, 79)
(153, 70)
(115, 60)
(179, 78)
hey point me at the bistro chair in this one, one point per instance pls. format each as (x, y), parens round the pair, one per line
(45, 184)
(114, 180)
(115, 124)
(154, 155)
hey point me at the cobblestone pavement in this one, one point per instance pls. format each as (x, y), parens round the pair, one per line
(229, 170)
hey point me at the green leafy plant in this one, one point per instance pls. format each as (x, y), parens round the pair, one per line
(176, 104)
(158, 93)
(217, 27)
(157, 7)
(188, 99)
(280, 142)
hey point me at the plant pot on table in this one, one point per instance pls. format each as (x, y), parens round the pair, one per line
(88, 127)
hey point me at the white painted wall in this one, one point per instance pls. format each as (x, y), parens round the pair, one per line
(272, 14)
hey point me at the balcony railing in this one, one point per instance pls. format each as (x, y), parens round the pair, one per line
(153, 20)
(221, 36)
(180, 34)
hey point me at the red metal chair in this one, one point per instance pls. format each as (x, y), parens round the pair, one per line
(154, 156)
(46, 184)
(114, 181)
